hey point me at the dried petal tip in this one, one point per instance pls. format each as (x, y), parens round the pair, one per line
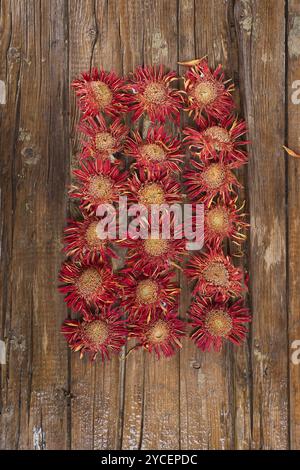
(291, 152)
(191, 63)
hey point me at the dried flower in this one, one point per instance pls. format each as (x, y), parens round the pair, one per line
(215, 274)
(158, 150)
(219, 141)
(101, 92)
(207, 92)
(99, 182)
(87, 284)
(161, 335)
(82, 241)
(152, 186)
(216, 321)
(153, 96)
(105, 140)
(102, 333)
(204, 181)
(142, 293)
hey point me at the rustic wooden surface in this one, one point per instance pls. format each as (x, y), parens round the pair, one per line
(245, 399)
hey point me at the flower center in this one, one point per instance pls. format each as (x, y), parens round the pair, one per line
(102, 93)
(217, 220)
(155, 246)
(155, 93)
(159, 332)
(218, 135)
(205, 93)
(218, 323)
(92, 237)
(105, 141)
(147, 292)
(101, 187)
(152, 193)
(217, 274)
(214, 175)
(153, 152)
(89, 283)
(96, 331)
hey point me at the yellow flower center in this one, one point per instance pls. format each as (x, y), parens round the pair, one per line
(159, 332)
(101, 187)
(96, 331)
(205, 93)
(102, 93)
(92, 237)
(156, 247)
(147, 292)
(217, 220)
(218, 323)
(214, 176)
(218, 135)
(217, 274)
(105, 142)
(152, 193)
(89, 283)
(153, 152)
(155, 93)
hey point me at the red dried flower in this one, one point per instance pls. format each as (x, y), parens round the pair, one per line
(216, 321)
(207, 92)
(103, 333)
(157, 150)
(142, 294)
(83, 243)
(223, 221)
(105, 140)
(143, 255)
(161, 335)
(87, 284)
(152, 186)
(100, 182)
(208, 180)
(101, 92)
(152, 94)
(219, 141)
(214, 274)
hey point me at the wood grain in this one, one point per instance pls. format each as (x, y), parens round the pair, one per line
(246, 398)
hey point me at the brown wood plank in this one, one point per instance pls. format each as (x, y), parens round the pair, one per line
(261, 38)
(293, 141)
(34, 153)
(96, 388)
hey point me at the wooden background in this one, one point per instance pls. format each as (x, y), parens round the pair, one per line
(247, 398)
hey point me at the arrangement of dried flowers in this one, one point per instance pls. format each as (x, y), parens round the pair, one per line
(140, 300)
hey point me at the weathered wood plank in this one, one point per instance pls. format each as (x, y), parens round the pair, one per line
(34, 152)
(261, 37)
(293, 141)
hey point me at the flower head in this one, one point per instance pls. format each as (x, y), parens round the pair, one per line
(87, 284)
(82, 241)
(219, 141)
(103, 333)
(142, 293)
(215, 321)
(99, 182)
(215, 274)
(161, 335)
(158, 150)
(152, 186)
(101, 92)
(204, 181)
(223, 221)
(104, 140)
(207, 92)
(153, 95)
